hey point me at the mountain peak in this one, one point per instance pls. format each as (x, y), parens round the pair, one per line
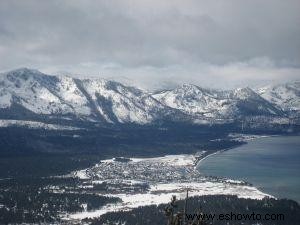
(23, 74)
(286, 96)
(24, 70)
(244, 93)
(188, 86)
(111, 101)
(191, 89)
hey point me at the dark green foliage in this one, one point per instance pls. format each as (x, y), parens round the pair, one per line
(127, 140)
(36, 200)
(153, 215)
(44, 164)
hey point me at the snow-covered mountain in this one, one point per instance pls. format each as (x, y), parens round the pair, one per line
(194, 100)
(285, 96)
(95, 100)
(42, 94)
(31, 95)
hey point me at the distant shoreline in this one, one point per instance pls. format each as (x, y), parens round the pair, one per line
(262, 184)
(205, 156)
(242, 142)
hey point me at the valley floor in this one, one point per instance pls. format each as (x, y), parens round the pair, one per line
(84, 188)
(153, 181)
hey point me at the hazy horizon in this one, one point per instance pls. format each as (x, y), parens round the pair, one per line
(163, 85)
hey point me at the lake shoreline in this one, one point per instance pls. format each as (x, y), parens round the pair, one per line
(244, 139)
(267, 158)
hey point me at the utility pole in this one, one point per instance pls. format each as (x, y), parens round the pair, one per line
(185, 207)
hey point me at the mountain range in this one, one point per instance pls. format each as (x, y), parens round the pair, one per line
(27, 94)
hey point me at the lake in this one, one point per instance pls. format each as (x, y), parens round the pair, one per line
(271, 164)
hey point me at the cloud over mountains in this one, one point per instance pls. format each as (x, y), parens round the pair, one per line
(152, 42)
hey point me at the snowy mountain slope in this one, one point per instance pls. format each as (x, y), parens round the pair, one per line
(42, 94)
(97, 100)
(116, 102)
(34, 125)
(248, 102)
(194, 100)
(285, 96)
(26, 91)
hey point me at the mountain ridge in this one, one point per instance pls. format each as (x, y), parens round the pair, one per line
(25, 91)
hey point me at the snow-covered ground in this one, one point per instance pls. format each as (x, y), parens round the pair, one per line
(162, 193)
(35, 125)
(246, 137)
(153, 181)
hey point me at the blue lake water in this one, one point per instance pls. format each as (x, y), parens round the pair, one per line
(271, 164)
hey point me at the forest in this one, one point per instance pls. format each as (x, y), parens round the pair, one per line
(214, 204)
